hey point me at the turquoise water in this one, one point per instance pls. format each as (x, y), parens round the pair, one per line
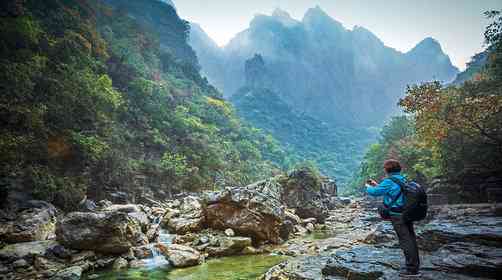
(228, 268)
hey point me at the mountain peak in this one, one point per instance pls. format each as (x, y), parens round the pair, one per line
(280, 13)
(428, 44)
(317, 16)
(315, 12)
(284, 17)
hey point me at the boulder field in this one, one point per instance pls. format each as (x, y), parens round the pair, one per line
(39, 242)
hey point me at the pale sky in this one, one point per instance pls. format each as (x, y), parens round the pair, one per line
(457, 24)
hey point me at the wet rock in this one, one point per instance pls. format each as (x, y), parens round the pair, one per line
(20, 263)
(483, 230)
(26, 250)
(48, 264)
(382, 233)
(70, 273)
(229, 246)
(119, 264)
(83, 256)
(142, 252)
(469, 259)
(310, 228)
(181, 256)
(87, 205)
(301, 268)
(34, 222)
(229, 232)
(292, 217)
(250, 250)
(106, 232)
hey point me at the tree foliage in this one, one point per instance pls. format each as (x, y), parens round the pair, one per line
(93, 98)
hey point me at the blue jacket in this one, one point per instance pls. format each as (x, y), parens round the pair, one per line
(389, 190)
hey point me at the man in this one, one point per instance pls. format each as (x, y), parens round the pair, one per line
(393, 201)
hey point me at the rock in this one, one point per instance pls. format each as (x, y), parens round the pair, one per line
(142, 252)
(48, 264)
(309, 221)
(481, 230)
(104, 203)
(20, 263)
(254, 211)
(286, 228)
(497, 209)
(300, 231)
(189, 218)
(383, 233)
(183, 225)
(469, 259)
(87, 205)
(119, 264)
(70, 273)
(35, 223)
(229, 232)
(364, 262)
(183, 239)
(301, 191)
(229, 246)
(26, 250)
(301, 268)
(181, 256)
(61, 252)
(250, 250)
(292, 217)
(137, 263)
(107, 232)
(310, 227)
(83, 256)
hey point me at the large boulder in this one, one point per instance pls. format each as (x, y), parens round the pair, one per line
(34, 222)
(112, 232)
(148, 219)
(27, 250)
(188, 218)
(229, 246)
(301, 190)
(254, 211)
(180, 255)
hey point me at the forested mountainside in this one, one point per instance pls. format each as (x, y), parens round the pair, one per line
(105, 99)
(336, 150)
(340, 76)
(452, 133)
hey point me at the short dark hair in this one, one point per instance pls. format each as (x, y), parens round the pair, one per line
(391, 166)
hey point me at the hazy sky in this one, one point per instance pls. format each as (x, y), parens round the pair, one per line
(457, 24)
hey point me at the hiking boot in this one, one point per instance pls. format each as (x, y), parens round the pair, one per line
(409, 274)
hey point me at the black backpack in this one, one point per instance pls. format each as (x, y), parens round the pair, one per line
(415, 200)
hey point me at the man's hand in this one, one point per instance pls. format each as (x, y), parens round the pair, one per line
(372, 182)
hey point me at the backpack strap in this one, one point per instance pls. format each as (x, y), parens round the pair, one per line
(401, 185)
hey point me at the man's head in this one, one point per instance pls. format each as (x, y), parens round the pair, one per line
(391, 166)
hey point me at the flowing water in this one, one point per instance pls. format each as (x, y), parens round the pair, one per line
(228, 268)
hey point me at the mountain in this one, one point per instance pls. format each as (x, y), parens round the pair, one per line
(209, 54)
(319, 67)
(336, 150)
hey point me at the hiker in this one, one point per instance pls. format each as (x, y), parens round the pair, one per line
(392, 209)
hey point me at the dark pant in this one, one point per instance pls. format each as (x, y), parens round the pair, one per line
(408, 242)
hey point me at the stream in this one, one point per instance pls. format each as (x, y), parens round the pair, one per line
(246, 267)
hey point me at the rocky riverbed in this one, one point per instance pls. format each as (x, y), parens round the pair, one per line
(278, 229)
(457, 242)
